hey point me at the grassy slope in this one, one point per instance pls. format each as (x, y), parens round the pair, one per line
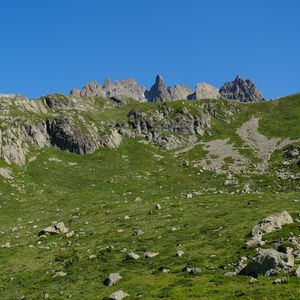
(103, 188)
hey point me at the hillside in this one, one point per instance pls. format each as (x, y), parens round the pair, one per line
(137, 177)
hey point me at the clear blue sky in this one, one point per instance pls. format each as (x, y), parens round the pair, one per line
(54, 45)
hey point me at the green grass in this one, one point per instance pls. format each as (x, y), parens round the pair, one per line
(93, 197)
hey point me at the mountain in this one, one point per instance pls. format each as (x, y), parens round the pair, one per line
(241, 90)
(106, 196)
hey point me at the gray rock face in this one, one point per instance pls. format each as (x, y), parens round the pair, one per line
(241, 90)
(67, 136)
(158, 91)
(127, 87)
(267, 260)
(204, 91)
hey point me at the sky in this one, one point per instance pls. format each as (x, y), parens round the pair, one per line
(54, 45)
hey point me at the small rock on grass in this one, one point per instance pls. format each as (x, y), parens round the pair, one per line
(112, 279)
(179, 253)
(192, 270)
(151, 254)
(279, 281)
(163, 270)
(118, 295)
(230, 274)
(133, 256)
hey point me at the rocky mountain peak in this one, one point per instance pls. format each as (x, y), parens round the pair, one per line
(242, 90)
(158, 91)
(204, 91)
(159, 81)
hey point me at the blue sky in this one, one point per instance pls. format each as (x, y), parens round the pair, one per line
(54, 45)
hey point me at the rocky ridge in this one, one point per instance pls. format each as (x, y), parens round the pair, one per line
(239, 89)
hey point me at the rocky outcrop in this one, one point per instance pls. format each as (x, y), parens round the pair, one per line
(170, 129)
(127, 87)
(66, 135)
(241, 90)
(158, 91)
(204, 91)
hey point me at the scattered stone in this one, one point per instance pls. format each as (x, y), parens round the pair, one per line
(253, 280)
(230, 274)
(112, 279)
(133, 256)
(118, 295)
(6, 245)
(151, 254)
(179, 253)
(192, 270)
(70, 234)
(157, 206)
(60, 274)
(6, 173)
(297, 272)
(279, 281)
(163, 270)
(92, 257)
(137, 232)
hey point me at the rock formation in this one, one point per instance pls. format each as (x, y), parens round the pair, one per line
(158, 91)
(241, 90)
(204, 91)
(126, 87)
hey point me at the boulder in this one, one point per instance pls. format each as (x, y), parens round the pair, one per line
(241, 90)
(55, 228)
(269, 224)
(266, 260)
(272, 223)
